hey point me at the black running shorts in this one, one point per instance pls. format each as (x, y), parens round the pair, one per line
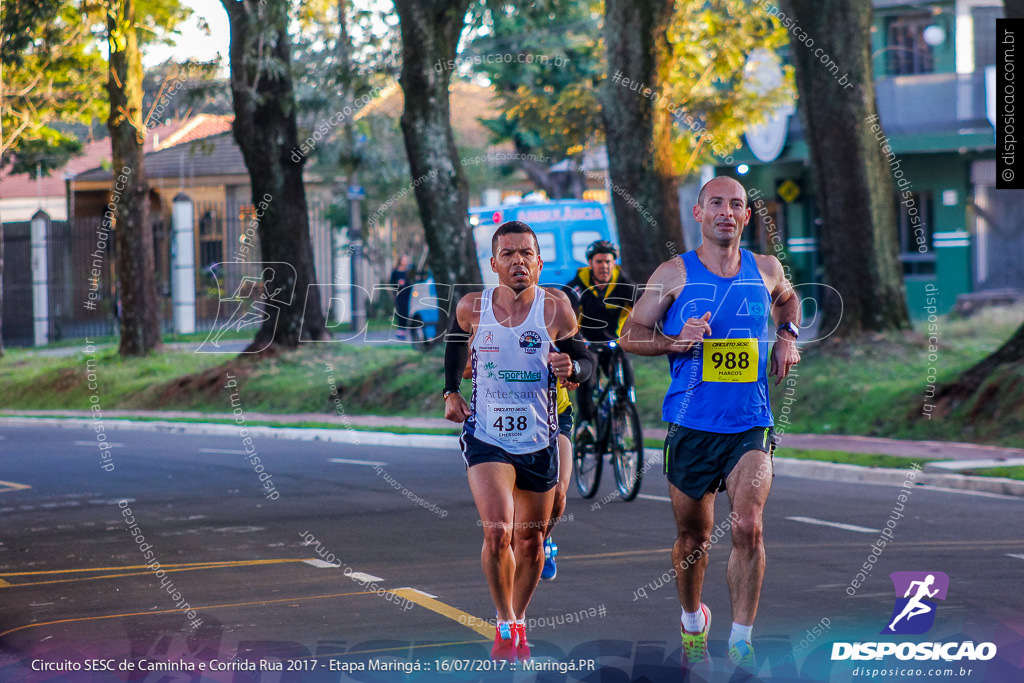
(565, 422)
(697, 462)
(537, 471)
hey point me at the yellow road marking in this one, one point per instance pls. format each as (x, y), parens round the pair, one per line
(197, 608)
(229, 563)
(6, 486)
(107, 576)
(464, 618)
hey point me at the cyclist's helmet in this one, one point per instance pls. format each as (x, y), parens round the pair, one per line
(602, 247)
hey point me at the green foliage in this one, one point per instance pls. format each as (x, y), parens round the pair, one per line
(553, 110)
(50, 70)
(176, 91)
(50, 150)
(711, 41)
(545, 61)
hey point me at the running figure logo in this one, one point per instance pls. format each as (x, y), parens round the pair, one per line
(914, 612)
(253, 301)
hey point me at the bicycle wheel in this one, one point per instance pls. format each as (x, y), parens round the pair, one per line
(627, 450)
(586, 463)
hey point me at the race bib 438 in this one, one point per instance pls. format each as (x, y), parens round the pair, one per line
(730, 360)
(510, 423)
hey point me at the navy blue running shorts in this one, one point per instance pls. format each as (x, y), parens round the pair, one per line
(697, 462)
(536, 472)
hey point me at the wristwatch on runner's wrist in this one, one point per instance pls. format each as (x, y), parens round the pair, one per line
(449, 392)
(575, 369)
(791, 328)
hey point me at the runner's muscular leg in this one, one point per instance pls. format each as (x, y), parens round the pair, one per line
(531, 513)
(564, 474)
(694, 519)
(748, 485)
(492, 484)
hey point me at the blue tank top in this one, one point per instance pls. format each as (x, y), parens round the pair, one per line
(721, 385)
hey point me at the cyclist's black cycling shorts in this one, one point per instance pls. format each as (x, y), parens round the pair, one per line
(697, 462)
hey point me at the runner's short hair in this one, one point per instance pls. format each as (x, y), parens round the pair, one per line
(513, 228)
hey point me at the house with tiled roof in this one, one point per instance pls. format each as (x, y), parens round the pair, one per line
(21, 195)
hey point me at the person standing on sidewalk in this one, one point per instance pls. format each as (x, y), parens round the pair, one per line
(400, 279)
(709, 311)
(525, 339)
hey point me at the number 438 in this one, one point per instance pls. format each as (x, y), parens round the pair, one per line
(510, 423)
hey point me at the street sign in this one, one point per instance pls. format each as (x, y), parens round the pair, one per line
(356, 192)
(788, 191)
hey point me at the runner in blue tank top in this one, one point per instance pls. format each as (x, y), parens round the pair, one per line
(525, 339)
(714, 312)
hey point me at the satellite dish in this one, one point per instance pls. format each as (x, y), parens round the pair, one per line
(762, 74)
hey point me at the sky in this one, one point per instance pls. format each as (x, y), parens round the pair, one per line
(194, 42)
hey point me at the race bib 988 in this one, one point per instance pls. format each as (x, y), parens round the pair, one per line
(730, 360)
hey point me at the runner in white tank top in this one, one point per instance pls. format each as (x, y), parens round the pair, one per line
(525, 338)
(514, 388)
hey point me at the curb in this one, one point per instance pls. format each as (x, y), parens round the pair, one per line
(831, 471)
(788, 467)
(346, 436)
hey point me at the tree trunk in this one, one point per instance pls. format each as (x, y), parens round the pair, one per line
(265, 130)
(639, 134)
(856, 191)
(970, 380)
(430, 32)
(136, 279)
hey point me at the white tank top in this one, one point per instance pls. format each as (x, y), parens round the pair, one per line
(514, 389)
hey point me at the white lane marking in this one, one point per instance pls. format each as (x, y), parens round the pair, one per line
(320, 564)
(226, 451)
(836, 525)
(650, 497)
(975, 464)
(345, 461)
(1017, 556)
(983, 494)
(928, 487)
(363, 577)
(93, 443)
(414, 590)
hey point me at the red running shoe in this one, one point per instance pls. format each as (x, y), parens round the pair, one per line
(504, 642)
(522, 647)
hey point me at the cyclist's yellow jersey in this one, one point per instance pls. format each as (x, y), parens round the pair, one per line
(562, 399)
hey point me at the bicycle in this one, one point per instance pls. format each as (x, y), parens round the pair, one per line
(618, 434)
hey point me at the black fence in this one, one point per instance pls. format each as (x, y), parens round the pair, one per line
(82, 270)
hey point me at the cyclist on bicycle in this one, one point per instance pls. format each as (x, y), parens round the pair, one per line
(602, 297)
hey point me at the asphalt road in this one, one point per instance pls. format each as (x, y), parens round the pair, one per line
(402, 585)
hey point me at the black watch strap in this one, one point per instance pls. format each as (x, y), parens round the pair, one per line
(791, 328)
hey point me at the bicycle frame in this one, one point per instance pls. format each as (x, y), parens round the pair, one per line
(611, 383)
